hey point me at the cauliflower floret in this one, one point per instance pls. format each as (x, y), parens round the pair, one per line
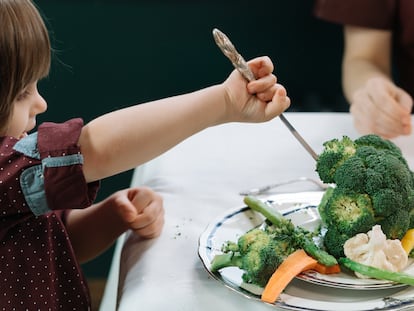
(373, 249)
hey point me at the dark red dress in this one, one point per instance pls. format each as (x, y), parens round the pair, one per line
(40, 179)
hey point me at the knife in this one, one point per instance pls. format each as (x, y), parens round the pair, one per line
(241, 65)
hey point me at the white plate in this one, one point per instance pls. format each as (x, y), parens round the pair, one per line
(322, 292)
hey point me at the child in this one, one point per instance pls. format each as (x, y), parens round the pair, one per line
(49, 179)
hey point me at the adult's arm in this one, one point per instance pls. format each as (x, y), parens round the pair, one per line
(367, 54)
(378, 105)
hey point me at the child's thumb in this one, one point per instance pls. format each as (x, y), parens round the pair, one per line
(129, 212)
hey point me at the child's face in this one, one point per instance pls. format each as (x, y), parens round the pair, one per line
(25, 108)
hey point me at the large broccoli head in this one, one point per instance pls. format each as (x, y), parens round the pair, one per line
(369, 172)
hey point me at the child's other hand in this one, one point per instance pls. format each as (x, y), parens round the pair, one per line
(142, 210)
(261, 100)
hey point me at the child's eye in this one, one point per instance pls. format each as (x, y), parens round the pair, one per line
(22, 95)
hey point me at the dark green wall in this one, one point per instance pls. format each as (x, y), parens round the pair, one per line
(111, 54)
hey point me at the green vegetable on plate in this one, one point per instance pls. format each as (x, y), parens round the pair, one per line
(377, 273)
(260, 251)
(373, 185)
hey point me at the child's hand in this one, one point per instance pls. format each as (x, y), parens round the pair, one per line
(261, 100)
(94, 229)
(142, 209)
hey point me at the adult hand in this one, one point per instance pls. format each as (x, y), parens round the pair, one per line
(382, 108)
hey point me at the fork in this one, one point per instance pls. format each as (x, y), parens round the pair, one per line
(257, 191)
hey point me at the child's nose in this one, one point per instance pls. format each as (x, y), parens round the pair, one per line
(41, 104)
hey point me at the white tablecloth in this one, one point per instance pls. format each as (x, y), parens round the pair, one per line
(199, 179)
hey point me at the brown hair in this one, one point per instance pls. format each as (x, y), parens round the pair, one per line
(25, 51)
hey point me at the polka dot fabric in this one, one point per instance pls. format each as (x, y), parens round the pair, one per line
(38, 269)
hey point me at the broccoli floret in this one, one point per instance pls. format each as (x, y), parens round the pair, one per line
(386, 171)
(324, 201)
(261, 250)
(395, 225)
(261, 254)
(300, 237)
(225, 260)
(230, 246)
(349, 212)
(326, 165)
(351, 174)
(334, 242)
(411, 216)
(252, 239)
(386, 202)
(258, 254)
(374, 185)
(335, 153)
(375, 141)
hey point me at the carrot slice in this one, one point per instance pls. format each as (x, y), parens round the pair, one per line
(294, 264)
(325, 269)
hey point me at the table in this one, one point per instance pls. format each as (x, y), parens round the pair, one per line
(199, 179)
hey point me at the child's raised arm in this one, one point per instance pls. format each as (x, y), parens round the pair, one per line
(126, 138)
